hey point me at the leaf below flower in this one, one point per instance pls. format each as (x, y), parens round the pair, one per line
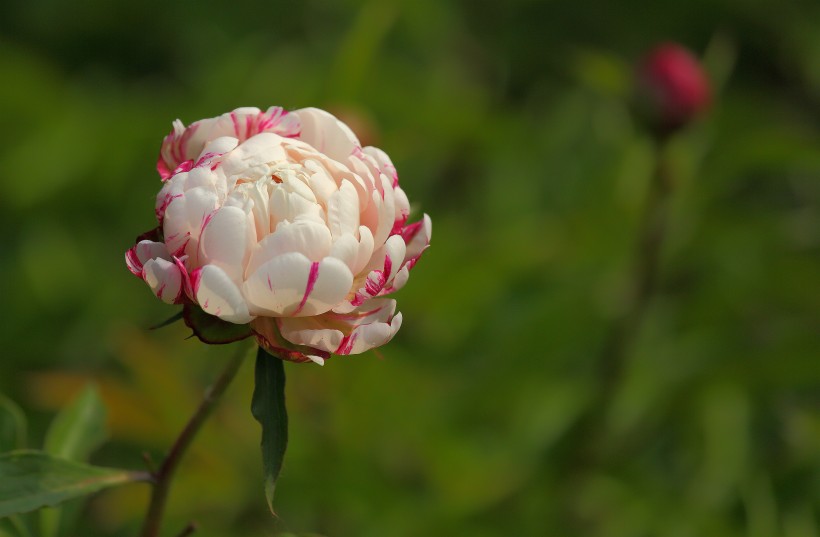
(268, 407)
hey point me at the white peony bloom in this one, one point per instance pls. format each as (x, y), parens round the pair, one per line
(282, 220)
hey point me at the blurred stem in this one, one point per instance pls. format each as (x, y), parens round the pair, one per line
(163, 476)
(645, 266)
(585, 440)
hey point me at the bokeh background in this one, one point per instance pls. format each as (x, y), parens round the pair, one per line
(509, 123)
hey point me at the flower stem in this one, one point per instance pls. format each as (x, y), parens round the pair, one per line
(163, 476)
(585, 438)
(646, 264)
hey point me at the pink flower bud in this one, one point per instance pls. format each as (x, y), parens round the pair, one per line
(672, 88)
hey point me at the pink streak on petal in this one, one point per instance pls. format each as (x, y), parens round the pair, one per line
(166, 201)
(409, 232)
(196, 277)
(398, 224)
(183, 167)
(347, 344)
(163, 170)
(186, 286)
(235, 124)
(133, 262)
(312, 277)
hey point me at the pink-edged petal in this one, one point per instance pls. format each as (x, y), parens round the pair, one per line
(417, 237)
(269, 337)
(225, 241)
(164, 279)
(351, 333)
(141, 252)
(185, 218)
(218, 295)
(383, 163)
(380, 273)
(292, 284)
(326, 133)
(186, 143)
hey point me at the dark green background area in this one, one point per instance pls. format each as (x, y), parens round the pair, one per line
(509, 124)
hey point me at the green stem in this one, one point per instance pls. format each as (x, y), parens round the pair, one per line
(646, 264)
(163, 476)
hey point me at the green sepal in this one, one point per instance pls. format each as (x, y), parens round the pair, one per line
(211, 329)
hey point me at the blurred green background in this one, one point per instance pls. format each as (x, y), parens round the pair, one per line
(509, 124)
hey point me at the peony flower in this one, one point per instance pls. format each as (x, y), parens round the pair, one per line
(672, 87)
(282, 220)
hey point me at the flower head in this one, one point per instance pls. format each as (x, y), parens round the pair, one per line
(672, 87)
(282, 220)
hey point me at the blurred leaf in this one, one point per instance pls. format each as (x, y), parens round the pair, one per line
(31, 479)
(12, 425)
(79, 428)
(75, 432)
(14, 526)
(268, 407)
(211, 329)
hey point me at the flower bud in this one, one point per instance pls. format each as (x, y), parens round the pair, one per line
(672, 88)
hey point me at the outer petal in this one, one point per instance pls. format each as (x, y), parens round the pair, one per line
(380, 274)
(143, 251)
(291, 285)
(164, 278)
(352, 333)
(417, 237)
(326, 133)
(187, 143)
(218, 295)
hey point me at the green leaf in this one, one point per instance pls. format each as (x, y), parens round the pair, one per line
(211, 329)
(268, 407)
(14, 526)
(79, 428)
(169, 321)
(75, 432)
(30, 480)
(12, 425)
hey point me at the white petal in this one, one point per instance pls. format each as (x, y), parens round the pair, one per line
(306, 237)
(137, 256)
(225, 241)
(218, 295)
(290, 284)
(346, 248)
(326, 133)
(385, 165)
(365, 252)
(185, 218)
(343, 210)
(164, 278)
(417, 236)
(364, 328)
(219, 146)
